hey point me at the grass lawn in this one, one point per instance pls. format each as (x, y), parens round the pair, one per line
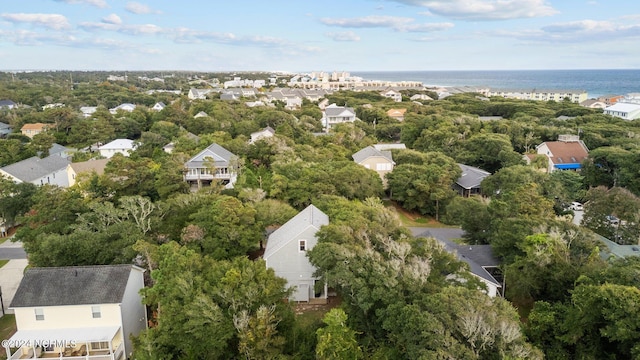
(413, 219)
(3, 263)
(7, 328)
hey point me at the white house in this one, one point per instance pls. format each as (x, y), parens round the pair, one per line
(200, 114)
(286, 253)
(51, 170)
(128, 107)
(158, 106)
(117, 146)
(212, 163)
(627, 111)
(87, 111)
(86, 312)
(393, 95)
(201, 94)
(334, 114)
(262, 134)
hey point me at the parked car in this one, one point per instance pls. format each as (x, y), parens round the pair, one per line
(576, 206)
(612, 220)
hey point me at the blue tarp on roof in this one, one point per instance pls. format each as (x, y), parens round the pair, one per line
(567, 166)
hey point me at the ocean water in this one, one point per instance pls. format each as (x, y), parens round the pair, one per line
(595, 82)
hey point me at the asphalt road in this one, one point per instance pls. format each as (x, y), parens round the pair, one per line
(12, 250)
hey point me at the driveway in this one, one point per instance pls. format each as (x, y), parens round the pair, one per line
(11, 273)
(438, 233)
(10, 277)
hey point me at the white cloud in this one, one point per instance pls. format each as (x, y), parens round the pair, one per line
(51, 21)
(425, 27)
(343, 36)
(485, 9)
(98, 3)
(583, 31)
(140, 9)
(402, 24)
(112, 19)
(368, 21)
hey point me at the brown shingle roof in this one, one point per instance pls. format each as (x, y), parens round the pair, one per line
(36, 126)
(567, 152)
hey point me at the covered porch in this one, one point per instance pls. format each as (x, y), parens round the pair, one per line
(96, 343)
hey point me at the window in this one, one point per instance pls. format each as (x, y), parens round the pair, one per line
(95, 312)
(384, 166)
(39, 314)
(302, 245)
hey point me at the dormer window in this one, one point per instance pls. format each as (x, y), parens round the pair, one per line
(302, 245)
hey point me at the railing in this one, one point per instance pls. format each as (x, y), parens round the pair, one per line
(56, 355)
(207, 177)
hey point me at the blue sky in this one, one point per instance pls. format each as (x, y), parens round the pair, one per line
(301, 35)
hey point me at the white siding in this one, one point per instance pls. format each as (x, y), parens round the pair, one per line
(293, 265)
(134, 315)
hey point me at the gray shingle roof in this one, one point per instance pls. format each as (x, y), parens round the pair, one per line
(471, 176)
(370, 151)
(7, 103)
(339, 110)
(72, 285)
(219, 155)
(477, 256)
(34, 168)
(311, 216)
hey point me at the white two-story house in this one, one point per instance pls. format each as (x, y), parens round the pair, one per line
(334, 114)
(117, 146)
(286, 253)
(81, 312)
(212, 163)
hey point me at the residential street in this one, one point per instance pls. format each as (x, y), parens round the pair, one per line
(12, 272)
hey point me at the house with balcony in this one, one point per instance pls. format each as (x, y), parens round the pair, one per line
(334, 114)
(392, 94)
(214, 163)
(77, 312)
(286, 254)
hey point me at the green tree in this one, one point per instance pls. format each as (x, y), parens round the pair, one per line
(336, 340)
(41, 143)
(195, 300)
(230, 228)
(490, 152)
(424, 187)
